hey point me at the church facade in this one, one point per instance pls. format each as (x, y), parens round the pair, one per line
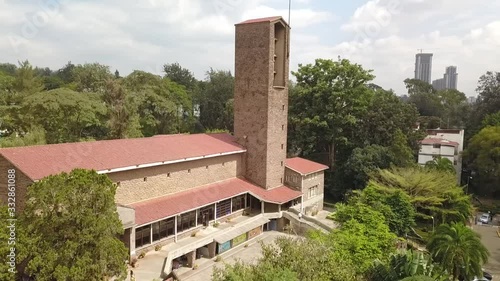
(199, 194)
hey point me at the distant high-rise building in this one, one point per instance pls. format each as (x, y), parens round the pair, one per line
(423, 67)
(439, 84)
(450, 77)
(449, 80)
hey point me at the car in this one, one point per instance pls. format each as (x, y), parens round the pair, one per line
(487, 275)
(484, 218)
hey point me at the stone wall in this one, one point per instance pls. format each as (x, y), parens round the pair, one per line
(147, 183)
(21, 184)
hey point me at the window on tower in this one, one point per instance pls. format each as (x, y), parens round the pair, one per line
(279, 54)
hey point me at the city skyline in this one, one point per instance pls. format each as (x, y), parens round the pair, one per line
(144, 35)
(423, 67)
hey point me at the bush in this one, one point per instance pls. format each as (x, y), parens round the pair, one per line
(157, 247)
(141, 255)
(218, 258)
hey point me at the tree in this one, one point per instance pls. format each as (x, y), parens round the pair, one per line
(455, 108)
(407, 264)
(34, 136)
(163, 106)
(26, 80)
(91, 77)
(432, 193)
(458, 249)
(362, 162)
(483, 156)
(488, 102)
(216, 100)
(395, 205)
(123, 120)
(291, 258)
(329, 101)
(492, 119)
(363, 235)
(385, 118)
(73, 227)
(6, 273)
(441, 164)
(424, 97)
(64, 114)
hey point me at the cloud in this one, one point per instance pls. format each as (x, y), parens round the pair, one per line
(383, 35)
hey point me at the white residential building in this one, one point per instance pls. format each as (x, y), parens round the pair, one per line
(447, 143)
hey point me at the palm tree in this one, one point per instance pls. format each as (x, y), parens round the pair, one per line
(459, 250)
(441, 164)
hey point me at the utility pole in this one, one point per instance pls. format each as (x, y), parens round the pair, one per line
(289, 10)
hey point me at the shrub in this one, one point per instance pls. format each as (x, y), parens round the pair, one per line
(218, 258)
(141, 255)
(157, 247)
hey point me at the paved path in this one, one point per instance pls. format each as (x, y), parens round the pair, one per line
(491, 241)
(250, 254)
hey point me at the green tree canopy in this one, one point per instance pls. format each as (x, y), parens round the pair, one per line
(433, 193)
(441, 164)
(91, 77)
(363, 235)
(64, 114)
(458, 249)
(329, 101)
(216, 100)
(291, 258)
(73, 229)
(483, 156)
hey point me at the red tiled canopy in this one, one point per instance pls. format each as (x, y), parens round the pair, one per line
(166, 206)
(40, 161)
(304, 166)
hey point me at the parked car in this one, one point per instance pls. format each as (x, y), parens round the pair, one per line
(485, 218)
(486, 277)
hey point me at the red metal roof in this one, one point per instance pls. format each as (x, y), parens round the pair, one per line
(304, 166)
(166, 206)
(40, 161)
(268, 19)
(438, 141)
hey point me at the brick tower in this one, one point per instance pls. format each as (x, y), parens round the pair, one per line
(261, 97)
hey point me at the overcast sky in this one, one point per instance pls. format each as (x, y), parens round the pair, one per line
(382, 35)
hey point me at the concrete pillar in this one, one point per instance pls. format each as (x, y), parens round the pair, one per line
(215, 212)
(132, 242)
(211, 249)
(262, 206)
(191, 257)
(175, 229)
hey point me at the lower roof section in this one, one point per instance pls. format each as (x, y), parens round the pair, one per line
(177, 203)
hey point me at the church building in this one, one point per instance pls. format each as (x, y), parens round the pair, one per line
(199, 194)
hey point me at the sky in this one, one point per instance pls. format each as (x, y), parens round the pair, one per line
(382, 35)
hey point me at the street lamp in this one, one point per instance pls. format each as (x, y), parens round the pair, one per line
(432, 224)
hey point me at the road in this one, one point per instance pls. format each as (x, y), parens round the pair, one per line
(491, 241)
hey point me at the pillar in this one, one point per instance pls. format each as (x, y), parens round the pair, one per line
(191, 257)
(211, 249)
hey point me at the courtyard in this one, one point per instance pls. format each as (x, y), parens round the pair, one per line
(150, 268)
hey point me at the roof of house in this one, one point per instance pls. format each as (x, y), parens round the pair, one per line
(304, 166)
(268, 19)
(173, 204)
(439, 141)
(39, 161)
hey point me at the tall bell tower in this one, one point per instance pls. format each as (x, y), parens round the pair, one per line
(261, 97)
